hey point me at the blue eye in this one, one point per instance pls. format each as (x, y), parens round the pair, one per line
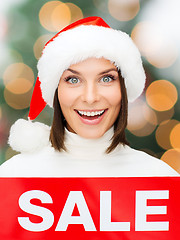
(106, 79)
(72, 80)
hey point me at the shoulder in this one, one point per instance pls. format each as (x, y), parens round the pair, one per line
(9, 167)
(143, 164)
(27, 164)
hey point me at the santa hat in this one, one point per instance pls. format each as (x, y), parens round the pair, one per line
(88, 37)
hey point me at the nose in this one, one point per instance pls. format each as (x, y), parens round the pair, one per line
(90, 93)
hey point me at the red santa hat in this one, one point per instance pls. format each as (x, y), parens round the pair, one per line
(88, 37)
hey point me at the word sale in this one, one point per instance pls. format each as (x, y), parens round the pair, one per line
(76, 198)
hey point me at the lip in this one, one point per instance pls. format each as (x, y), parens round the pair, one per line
(91, 110)
(94, 121)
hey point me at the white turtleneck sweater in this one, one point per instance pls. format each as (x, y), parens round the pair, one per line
(85, 158)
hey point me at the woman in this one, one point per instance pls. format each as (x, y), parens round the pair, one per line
(90, 71)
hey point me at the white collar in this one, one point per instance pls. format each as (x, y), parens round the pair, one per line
(83, 148)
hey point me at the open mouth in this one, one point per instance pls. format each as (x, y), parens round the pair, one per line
(91, 115)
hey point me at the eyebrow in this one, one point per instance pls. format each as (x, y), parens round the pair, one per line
(73, 71)
(106, 71)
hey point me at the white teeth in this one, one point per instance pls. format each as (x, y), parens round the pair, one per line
(91, 113)
(81, 112)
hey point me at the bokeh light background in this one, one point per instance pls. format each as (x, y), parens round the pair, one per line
(154, 119)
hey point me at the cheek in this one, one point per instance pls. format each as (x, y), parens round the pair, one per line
(113, 95)
(66, 97)
(116, 99)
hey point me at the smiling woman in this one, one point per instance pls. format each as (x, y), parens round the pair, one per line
(88, 72)
(96, 89)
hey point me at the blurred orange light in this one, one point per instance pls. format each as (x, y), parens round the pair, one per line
(76, 12)
(61, 16)
(123, 10)
(18, 78)
(146, 130)
(163, 133)
(165, 115)
(39, 44)
(159, 51)
(141, 39)
(161, 95)
(141, 119)
(164, 57)
(19, 86)
(172, 158)
(54, 16)
(18, 101)
(175, 136)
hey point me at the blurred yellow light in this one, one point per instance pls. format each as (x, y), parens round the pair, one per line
(172, 158)
(19, 86)
(54, 16)
(175, 136)
(161, 95)
(45, 14)
(76, 12)
(0, 113)
(159, 51)
(18, 78)
(61, 17)
(123, 10)
(141, 119)
(39, 44)
(163, 133)
(18, 101)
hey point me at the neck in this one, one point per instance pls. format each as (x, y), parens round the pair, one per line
(83, 148)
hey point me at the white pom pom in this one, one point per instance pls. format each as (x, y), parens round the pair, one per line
(26, 136)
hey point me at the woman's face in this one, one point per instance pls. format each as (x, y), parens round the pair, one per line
(89, 94)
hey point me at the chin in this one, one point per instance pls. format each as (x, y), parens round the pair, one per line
(91, 133)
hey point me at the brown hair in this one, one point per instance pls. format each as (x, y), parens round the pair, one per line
(57, 129)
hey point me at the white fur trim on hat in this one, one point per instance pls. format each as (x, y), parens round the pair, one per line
(80, 43)
(27, 136)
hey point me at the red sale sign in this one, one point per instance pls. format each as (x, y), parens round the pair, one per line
(90, 208)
